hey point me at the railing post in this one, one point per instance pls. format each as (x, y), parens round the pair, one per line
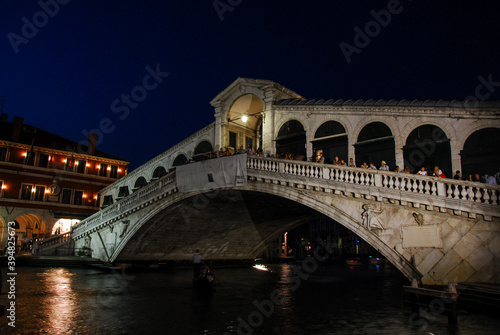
(326, 173)
(377, 180)
(441, 189)
(282, 167)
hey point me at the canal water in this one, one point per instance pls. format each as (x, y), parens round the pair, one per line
(271, 299)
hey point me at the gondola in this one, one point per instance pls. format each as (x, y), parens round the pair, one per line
(205, 280)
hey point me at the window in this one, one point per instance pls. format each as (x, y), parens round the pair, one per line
(103, 171)
(78, 197)
(248, 143)
(70, 163)
(3, 154)
(43, 160)
(113, 172)
(123, 192)
(26, 191)
(232, 139)
(81, 165)
(66, 196)
(30, 158)
(39, 193)
(108, 200)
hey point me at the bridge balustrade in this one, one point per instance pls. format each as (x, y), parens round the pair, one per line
(469, 197)
(475, 198)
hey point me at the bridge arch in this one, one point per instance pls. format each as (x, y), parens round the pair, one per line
(313, 204)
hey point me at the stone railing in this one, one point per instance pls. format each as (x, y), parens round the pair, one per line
(473, 198)
(431, 192)
(140, 197)
(50, 241)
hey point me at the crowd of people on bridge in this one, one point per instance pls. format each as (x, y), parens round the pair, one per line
(493, 179)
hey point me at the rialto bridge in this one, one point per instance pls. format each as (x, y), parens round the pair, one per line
(436, 230)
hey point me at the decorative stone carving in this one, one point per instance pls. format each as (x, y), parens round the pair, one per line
(370, 219)
(125, 227)
(419, 218)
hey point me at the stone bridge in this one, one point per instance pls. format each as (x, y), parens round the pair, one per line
(435, 230)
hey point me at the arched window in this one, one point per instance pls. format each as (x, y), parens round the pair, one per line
(202, 148)
(180, 160)
(159, 172)
(291, 140)
(428, 146)
(481, 153)
(375, 144)
(331, 140)
(140, 182)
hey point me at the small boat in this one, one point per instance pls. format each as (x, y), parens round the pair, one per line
(204, 280)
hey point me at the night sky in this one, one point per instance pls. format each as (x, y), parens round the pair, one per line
(68, 67)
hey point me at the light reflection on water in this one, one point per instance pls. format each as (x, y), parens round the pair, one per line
(331, 300)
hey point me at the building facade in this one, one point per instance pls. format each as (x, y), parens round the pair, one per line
(47, 182)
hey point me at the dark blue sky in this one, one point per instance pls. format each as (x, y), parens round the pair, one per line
(67, 75)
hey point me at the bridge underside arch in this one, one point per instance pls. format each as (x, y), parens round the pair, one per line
(226, 225)
(237, 224)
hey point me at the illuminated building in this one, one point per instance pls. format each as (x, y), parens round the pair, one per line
(47, 182)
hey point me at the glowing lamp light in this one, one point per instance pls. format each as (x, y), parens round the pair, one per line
(84, 195)
(25, 154)
(109, 168)
(119, 170)
(64, 160)
(95, 197)
(76, 163)
(98, 166)
(33, 190)
(244, 118)
(88, 165)
(4, 187)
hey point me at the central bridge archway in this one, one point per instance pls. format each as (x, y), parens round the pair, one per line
(240, 224)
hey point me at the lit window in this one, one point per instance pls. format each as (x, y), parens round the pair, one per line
(78, 197)
(66, 196)
(39, 193)
(26, 191)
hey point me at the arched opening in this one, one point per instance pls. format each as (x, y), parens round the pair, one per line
(331, 140)
(29, 228)
(140, 182)
(428, 146)
(201, 150)
(159, 172)
(291, 140)
(375, 144)
(263, 221)
(481, 153)
(244, 123)
(180, 160)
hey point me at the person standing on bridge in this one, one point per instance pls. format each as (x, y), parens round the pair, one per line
(197, 260)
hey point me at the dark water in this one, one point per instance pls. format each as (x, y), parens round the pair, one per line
(333, 299)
